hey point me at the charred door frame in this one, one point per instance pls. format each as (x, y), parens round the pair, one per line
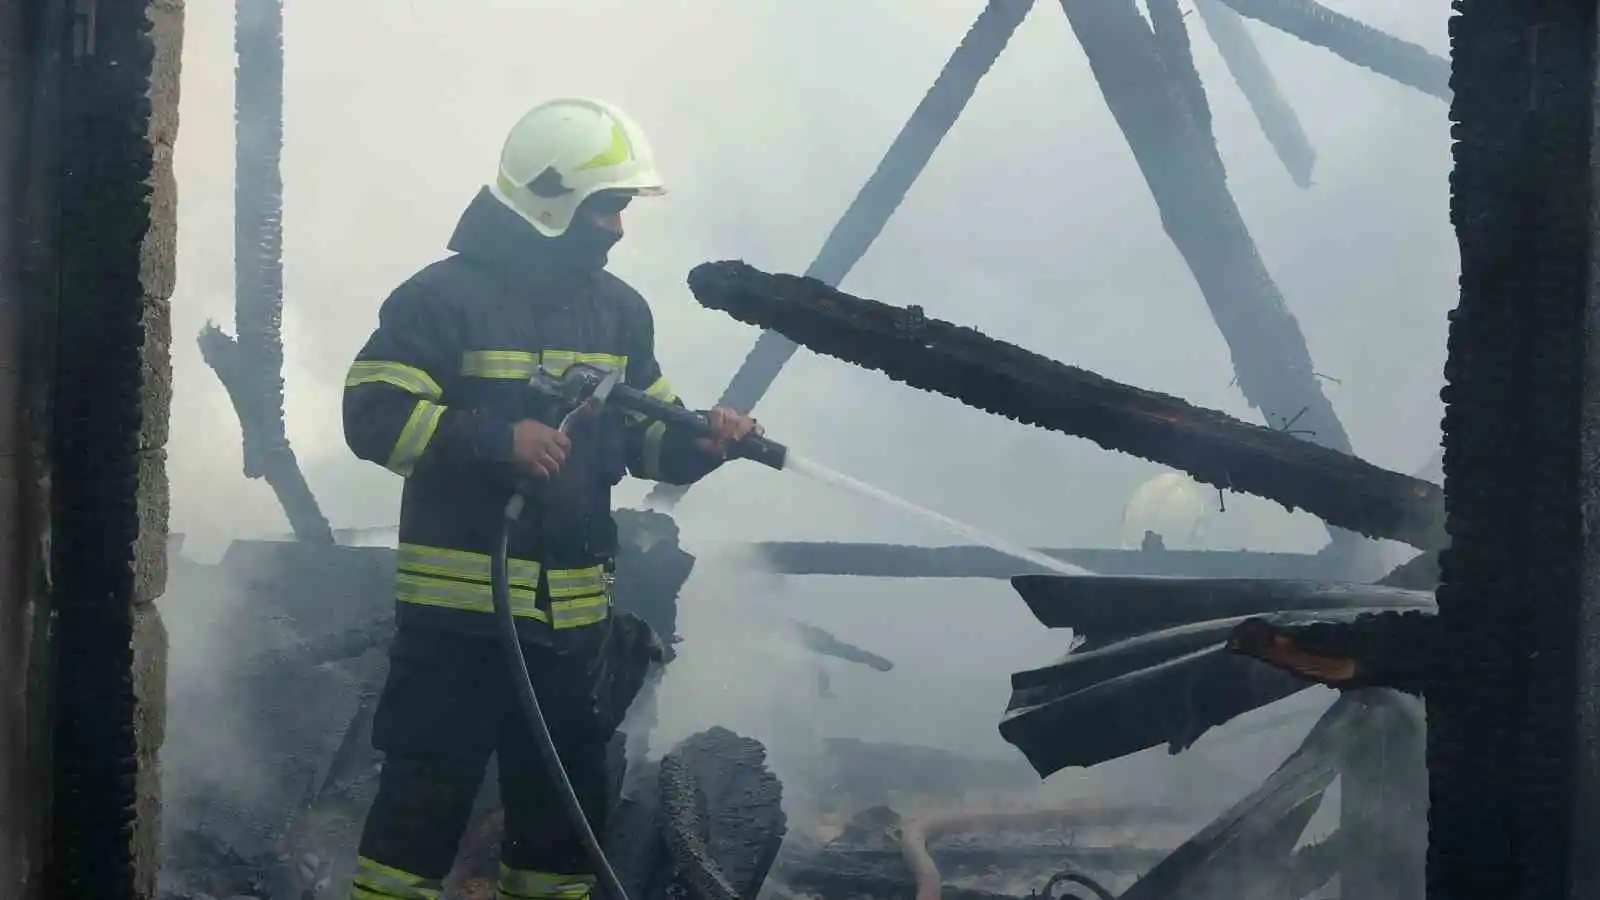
(32, 34)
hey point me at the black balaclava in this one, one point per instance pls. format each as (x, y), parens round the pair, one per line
(584, 246)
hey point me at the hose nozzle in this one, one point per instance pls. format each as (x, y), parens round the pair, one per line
(759, 449)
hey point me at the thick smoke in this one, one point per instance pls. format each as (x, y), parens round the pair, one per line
(1031, 223)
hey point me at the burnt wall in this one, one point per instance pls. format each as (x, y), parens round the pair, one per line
(89, 276)
(27, 162)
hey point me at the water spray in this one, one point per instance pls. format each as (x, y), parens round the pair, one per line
(583, 389)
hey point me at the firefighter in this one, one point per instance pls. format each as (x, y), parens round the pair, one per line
(438, 395)
(1171, 511)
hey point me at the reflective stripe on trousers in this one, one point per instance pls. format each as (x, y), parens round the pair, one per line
(458, 579)
(516, 884)
(375, 881)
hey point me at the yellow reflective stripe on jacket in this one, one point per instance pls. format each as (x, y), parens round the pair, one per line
(410, 379)
(660, 389)
(650, 451)
(527, 885)
(459, 579)
(376, 881)
(414, 437)
(520, 364)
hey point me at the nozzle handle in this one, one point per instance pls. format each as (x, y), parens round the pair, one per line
(769, 453)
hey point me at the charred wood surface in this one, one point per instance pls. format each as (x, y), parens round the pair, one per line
(95, 257)
(1399, 650)
(251, 367)
(1359, 43)
(1102, 607)
(1512, 743)
(1105, 701)
(706, 824)
(1006, 380)
(883, 192)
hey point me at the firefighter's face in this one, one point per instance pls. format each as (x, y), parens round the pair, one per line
(597, 227)
(604, 211)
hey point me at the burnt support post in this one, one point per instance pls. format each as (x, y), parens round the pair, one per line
(1513, 753)
(251, 367)
(91, 263)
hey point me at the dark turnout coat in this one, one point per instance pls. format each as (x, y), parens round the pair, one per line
(434, 392)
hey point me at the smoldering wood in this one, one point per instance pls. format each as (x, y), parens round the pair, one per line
(1007, 380)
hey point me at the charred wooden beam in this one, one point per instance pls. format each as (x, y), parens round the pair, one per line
(825, 643)
(1109, 699)
(1359, 43)
(1394, 649)
(1102, 607)
(877, 200)
(251, 368)
(1006, 380)
(864, 560)
(1250, 72)
(1147, 75)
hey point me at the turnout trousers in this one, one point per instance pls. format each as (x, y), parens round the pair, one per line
(448, 704)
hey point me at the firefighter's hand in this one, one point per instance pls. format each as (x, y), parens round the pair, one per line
(538, 449)
(728, 426)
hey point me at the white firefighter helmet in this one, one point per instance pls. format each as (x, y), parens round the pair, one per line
(1171, 505)
(566, 149)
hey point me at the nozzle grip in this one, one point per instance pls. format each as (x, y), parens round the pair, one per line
(759, 449)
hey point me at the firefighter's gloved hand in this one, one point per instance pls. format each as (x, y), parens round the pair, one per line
(538, 449)
(728, 426)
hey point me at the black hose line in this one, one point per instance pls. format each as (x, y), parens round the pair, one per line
(500, 589)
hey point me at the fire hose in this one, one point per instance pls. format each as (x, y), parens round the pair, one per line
(583, 389)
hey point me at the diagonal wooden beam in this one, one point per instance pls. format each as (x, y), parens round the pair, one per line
(1354, 41)
(1005, 379)
(877, 200)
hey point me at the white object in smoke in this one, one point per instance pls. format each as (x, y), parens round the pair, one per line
(1174, 506)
